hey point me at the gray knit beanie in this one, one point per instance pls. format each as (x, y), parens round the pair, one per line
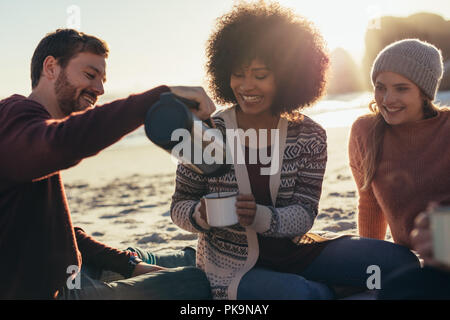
(416, 60)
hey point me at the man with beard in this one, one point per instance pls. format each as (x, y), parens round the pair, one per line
(54, 129)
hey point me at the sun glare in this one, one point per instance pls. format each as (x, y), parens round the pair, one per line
(342, 23)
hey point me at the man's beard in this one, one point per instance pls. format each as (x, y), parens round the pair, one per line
(66, 95)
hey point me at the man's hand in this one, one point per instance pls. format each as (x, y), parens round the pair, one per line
(245, 209)
(142, 268)
(198, 94)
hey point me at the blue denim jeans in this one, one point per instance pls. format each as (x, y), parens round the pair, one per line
(343, 262)
(413, 283)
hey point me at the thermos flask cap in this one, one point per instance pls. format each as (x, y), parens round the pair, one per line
(164, 117)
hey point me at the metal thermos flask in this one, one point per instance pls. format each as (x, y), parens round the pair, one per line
(172, 112)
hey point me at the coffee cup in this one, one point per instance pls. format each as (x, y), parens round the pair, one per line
(440, 228)
(221, 209)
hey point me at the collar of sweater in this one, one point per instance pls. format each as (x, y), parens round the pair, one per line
(412, 127)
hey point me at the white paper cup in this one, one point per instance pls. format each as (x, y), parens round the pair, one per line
(440, 228)
(221, 211)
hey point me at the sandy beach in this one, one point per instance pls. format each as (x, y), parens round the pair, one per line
(122, 196)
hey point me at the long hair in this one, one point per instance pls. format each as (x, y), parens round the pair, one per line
(375, 137)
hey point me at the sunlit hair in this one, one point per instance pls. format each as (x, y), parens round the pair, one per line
(289, 45)
(375, 137)
(63, 45)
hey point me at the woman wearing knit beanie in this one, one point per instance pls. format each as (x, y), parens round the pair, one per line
(399, 154)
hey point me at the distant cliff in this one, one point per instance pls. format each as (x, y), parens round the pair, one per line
(424, 26)
(345, 75)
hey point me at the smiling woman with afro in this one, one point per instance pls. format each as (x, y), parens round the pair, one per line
(270, 64)
(288, 44)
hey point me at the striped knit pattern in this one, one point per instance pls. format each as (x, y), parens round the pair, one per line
(222, 252)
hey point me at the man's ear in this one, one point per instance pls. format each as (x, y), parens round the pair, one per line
(50, 68)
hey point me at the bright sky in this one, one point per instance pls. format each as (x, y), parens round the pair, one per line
(163, 42)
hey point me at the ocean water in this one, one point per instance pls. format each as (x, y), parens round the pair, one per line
(330, 112)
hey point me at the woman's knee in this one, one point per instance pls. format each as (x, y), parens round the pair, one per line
(319, 291)
(403, 256)
(264, 284)
(394, 256)
(299, 288)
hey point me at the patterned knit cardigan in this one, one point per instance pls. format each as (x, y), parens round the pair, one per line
(226, 254)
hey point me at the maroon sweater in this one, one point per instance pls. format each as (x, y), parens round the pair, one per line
(37, 239)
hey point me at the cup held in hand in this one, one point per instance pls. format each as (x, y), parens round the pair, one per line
(221, 209)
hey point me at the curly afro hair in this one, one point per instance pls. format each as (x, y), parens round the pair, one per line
(288, 44)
